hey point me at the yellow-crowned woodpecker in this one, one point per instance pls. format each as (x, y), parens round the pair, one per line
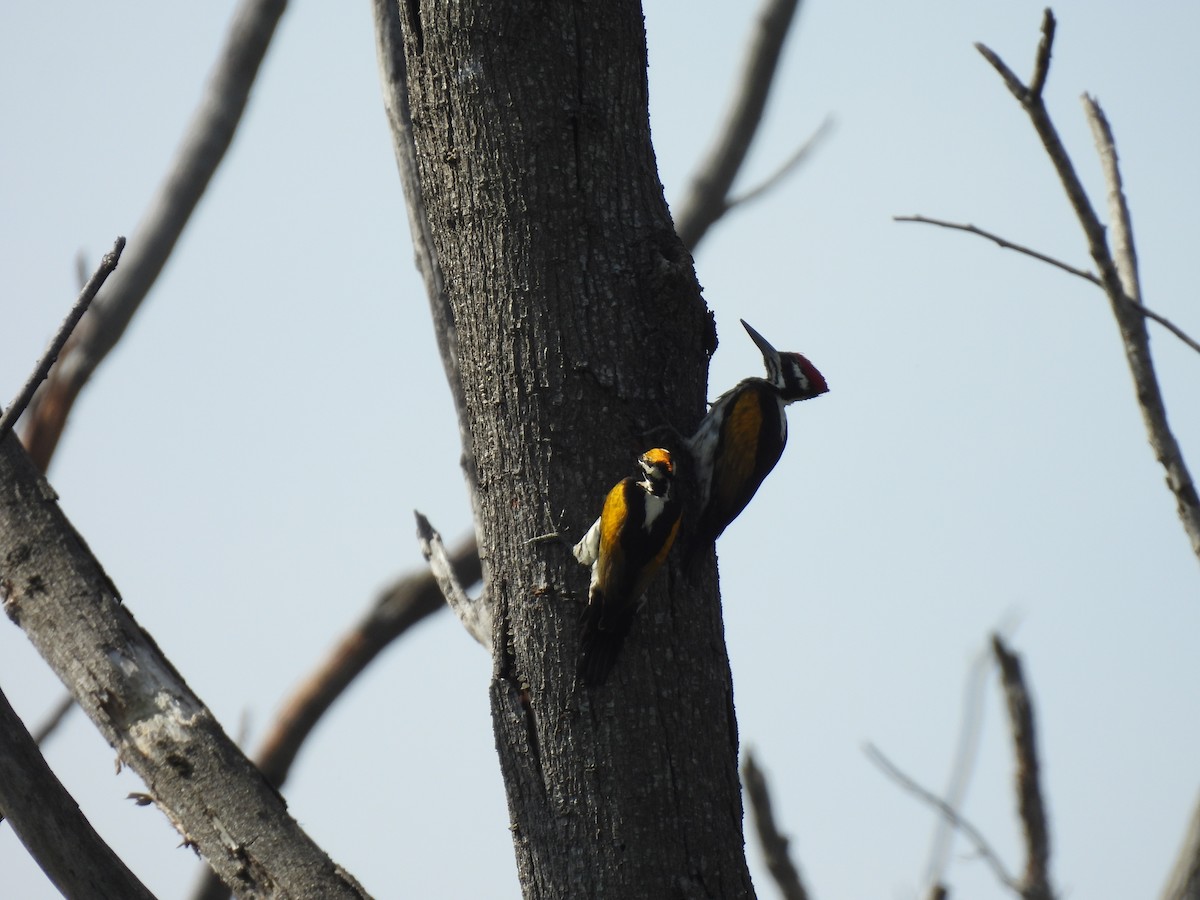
(743, 435)
(625, 547)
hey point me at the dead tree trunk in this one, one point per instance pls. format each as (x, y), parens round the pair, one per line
(579, 328)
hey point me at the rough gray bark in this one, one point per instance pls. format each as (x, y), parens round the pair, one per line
(58, 593)
(578, 327)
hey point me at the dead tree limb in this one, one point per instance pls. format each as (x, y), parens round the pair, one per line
(1117, 269)
(48, 822)
(775, 845)
(708, 198)
(409, 600)
(108, 265)
(1035, 884)
(953, 816)
(56, 590)
(208, 137)
(964, 762)
(1057, 263)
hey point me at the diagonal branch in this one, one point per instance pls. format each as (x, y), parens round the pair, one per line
(409, 600)
(53, 719)
(201, 152)
(800, 155)
(708, 198)
(48, 822)
(107, 266)
(970, 832)
(1081, 273)
(1119, 280)
(970, 732)
(774, 844)
(406, 602)
(1004, 243)
(1036, 882)
(56, 590)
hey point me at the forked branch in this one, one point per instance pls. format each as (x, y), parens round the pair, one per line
(1117, 270)
(775, 845)
(209, 136)
(107, 266)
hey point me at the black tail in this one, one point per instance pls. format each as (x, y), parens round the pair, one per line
(600, 643)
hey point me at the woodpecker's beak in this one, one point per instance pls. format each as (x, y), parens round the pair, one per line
(764, 345)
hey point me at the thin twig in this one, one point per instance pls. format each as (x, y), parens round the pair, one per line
(54, 719)
(982, 847)
(406, 602)
(790, 165)
(964, 761)
(200, 153)
(475, 615)
(1125, 309)
(107, 266)
(1120, 222)
(1041, 66)
(1002, 242)
(61, 597)
(1036, 882)
(708, 198)
(1081, 273)
(774, 844)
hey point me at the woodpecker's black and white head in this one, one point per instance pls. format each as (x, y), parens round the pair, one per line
(658, 469)
(791, 374)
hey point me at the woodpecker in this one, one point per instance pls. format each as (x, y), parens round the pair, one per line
(625, 547)
(741, 439)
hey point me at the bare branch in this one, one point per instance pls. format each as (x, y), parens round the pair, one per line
(982, 847)
(1011, 81)
(475, 615)
(209, 136)
(1121, 224)
(774, 844)
(1041, 67)
(405, 603)
(964, 761)
(790, 165)
(107, 265)
(708, 198)
(409, 600)
(1126, 307)
(54, 719)
(1081, 273)
(1184, 880)
(1002, 242)
(1031, 95)
(61, 597)
(48, 822)
(1036, 883)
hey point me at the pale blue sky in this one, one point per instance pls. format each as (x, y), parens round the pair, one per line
(980, 456)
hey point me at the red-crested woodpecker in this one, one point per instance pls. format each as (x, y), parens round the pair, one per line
(625, 548)
(741, 439)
